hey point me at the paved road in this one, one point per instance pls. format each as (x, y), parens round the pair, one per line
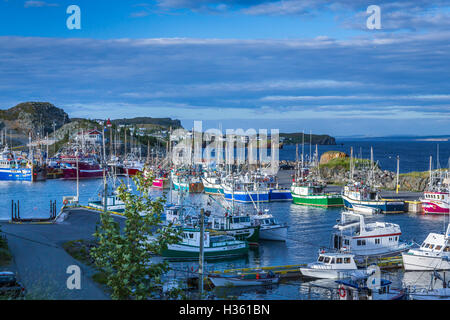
(41, 261)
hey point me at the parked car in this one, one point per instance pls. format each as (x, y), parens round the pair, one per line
(9, 286)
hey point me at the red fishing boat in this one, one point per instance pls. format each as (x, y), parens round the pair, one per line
(87, 168)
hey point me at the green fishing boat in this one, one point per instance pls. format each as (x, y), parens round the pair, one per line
(310, 194)
(214, 246)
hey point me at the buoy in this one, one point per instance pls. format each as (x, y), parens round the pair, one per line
(65, 201)
(342, 292)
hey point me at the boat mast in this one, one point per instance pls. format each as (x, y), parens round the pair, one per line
(398, 173)
(201, 255)
(351, 164)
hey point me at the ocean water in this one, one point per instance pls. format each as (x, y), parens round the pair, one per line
(414, 155)
(309, 228)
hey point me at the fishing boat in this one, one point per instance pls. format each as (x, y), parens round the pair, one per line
(212, 183)
(132, 167)
(13, 169)
(436, 198)
(312, 194)
(241, 280)
(354, 235)
(113, 201)
(187, 182)
(238, 226)
(331, 266)
(270, 228)
(432, 293)
(361, 287)
(433, 254)
(87, 167)
(246, 192)
(215, 246)
(363, 195)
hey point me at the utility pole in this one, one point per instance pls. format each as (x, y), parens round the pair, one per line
(104, 173)
(201, 256)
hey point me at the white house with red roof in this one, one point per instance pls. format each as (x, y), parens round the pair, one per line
(89, 136)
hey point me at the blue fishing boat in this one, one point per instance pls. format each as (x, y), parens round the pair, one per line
(246, 192)
(12, 169)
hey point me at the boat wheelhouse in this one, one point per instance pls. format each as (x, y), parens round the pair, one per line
(214, 246)
(433, 254)
(366, 197)
(363, 239)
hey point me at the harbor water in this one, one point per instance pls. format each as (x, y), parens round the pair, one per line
(309, 228)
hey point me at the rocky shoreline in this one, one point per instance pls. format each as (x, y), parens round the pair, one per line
(384, 179)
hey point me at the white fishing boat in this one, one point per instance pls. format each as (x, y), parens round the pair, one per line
(433, 254)
(270, 228)
(431, 293)
(331, 266)
(241, 280)
(363, 239)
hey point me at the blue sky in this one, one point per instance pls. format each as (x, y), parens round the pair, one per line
(292, 65)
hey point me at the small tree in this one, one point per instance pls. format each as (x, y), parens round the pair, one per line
(125, 256)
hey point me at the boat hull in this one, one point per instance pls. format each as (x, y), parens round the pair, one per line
(280, 195)
(245, 197)
(383, 206)
(273, 234)
(412, 262)
(213, 190)
(180, 251)
(434, 207)
(318, 200)
(22, 174)
(325, 273)
(238, 282)
(71, 174)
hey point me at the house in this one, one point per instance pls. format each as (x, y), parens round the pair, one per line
(89, 136)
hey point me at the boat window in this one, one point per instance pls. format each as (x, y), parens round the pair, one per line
(377, 241)
(327, 260)
(447, 249)
(438, 248)
(427, 245)
(346, 260)
(320, 259)
(191, 235)
(332, 261)
(431, 246)
(361, 242)
(338, 260)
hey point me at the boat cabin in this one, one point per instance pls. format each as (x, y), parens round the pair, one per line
(363, 238)
(337, 261)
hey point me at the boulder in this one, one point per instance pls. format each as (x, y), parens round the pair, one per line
(330, 155)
